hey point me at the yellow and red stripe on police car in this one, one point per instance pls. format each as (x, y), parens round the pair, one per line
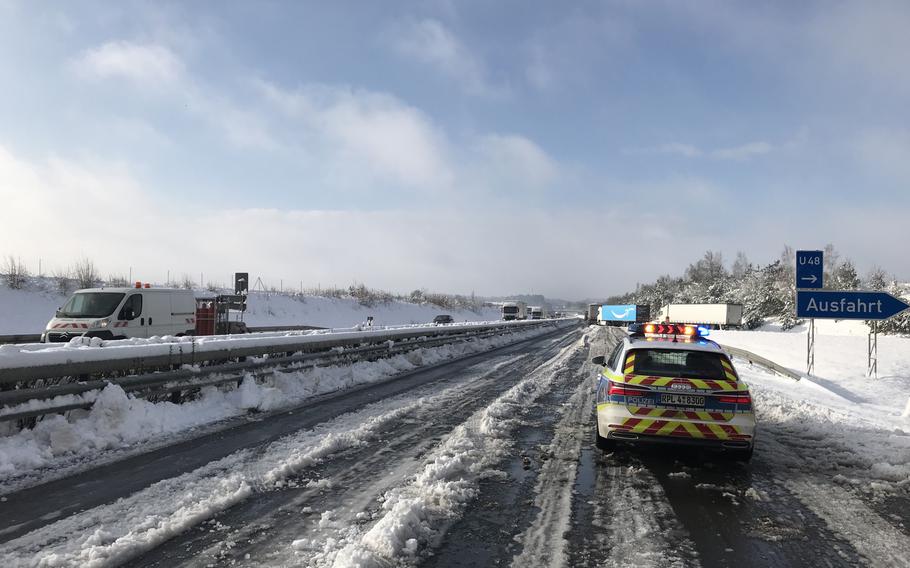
(704, 415)
(630, 364)
(728, 370)
(701, 384)
(655, 427)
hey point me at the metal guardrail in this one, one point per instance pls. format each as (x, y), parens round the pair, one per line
(20, 338)
(36, 337)
(763, 362)
(119, 357)
(372, 345)
(188, 380)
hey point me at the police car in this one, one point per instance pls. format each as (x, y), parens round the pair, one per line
(667, 383)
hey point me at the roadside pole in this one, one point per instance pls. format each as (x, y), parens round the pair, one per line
(810, 275)
(810, 352)
(872, 362)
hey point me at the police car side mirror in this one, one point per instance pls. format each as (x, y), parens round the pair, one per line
(599, 360)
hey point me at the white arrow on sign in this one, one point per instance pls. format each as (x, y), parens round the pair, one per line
(812, 279)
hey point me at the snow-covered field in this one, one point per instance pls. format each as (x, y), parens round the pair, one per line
(28, 311)
(838, 403)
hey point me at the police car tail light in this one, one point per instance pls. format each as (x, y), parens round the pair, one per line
(621, 390)
(736, 399)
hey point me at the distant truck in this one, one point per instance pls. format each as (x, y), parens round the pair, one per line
(514, 311)
(537, 312)
(143, 311)
(714, 315)
(617, 315)
(591, 313)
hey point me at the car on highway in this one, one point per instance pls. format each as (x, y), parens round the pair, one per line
(667, 383)
(443, 318)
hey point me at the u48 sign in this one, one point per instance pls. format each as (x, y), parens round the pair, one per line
(810, 269)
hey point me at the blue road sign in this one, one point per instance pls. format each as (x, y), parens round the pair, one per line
(843, 304)
(618, 313)
(810, 268)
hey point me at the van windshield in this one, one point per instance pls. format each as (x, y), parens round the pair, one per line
(91, 305)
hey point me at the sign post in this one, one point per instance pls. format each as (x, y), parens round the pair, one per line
(810, 348)
(872, 361)
(810, 274)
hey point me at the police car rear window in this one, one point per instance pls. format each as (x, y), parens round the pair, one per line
(678, 363)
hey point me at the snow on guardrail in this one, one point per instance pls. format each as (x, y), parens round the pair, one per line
(86, 355)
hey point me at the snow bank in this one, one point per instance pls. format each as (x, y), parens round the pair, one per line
(857, 428)
(115, 532)
(82, 349)
(118, 420)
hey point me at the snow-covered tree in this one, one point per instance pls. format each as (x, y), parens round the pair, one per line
(845, 277)
(877, 279)
(741, 266)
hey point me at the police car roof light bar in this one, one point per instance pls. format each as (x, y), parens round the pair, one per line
(668, 329)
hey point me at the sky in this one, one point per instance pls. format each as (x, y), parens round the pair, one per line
(567, 149)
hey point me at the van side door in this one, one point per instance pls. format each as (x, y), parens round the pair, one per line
(131, 318)
(158, 313)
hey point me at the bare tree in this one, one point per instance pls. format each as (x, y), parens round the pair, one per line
(14, 272)
(117, 280)
(63, 281)
(187, 282)
(85, 273)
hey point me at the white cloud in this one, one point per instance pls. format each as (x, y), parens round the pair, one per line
(738, 153)
(431, 43)
(742, 152)
(865, 39)
(148, 65)
(59, 211)
(686, 150)
(517, 161)
(885, 153)
(363, 129)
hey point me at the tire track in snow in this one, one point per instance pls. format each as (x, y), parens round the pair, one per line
(543, 543)
(870, 534)
(112, 533)
(326, 503)
(414, 515)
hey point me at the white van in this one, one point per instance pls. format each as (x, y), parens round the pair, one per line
(118, 313)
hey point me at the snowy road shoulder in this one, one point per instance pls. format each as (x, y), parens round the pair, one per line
(120, 425)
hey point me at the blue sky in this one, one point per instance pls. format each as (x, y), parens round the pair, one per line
(569, 149)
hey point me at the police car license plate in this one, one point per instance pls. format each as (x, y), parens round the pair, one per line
(682, 399)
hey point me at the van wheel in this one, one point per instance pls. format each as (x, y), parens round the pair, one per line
(601, 442)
